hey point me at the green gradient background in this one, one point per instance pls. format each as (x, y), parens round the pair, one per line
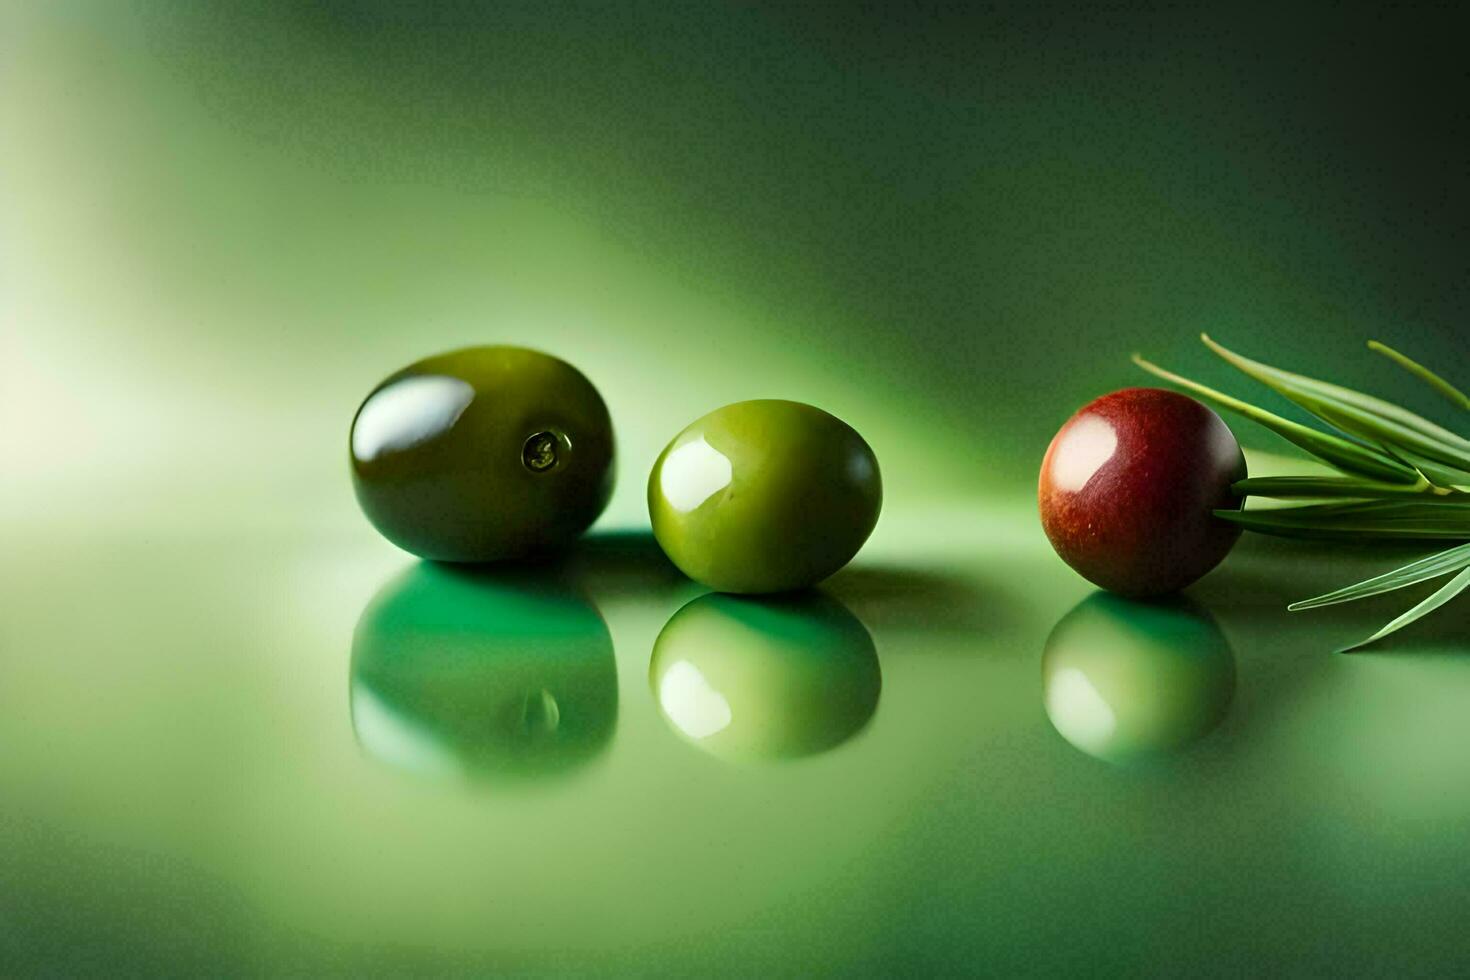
(221, 225)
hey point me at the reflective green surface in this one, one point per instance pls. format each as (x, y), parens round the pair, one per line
(222, 224)
(192, 782)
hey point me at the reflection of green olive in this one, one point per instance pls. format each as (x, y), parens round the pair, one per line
(482, 674)
(765, 678)
(1124, 679)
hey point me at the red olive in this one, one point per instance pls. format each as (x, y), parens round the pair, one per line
(1127, 489)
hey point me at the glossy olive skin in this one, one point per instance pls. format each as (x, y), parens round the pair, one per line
(488, 674)
(482, 454)
(759, 679)
(1128, 487)
(1125, 680)
(764, 496)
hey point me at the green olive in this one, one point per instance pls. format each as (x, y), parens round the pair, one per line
(747, 678)
(764, 496)
(1125, 679)
(482, 674)
(482, 454)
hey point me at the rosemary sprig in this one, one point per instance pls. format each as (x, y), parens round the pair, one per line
(1392, 520)
(1343, 454)
(1363, 416)
(1329, 486)
(1439, 384)
(1442, 595)
(1404, 477)
(1413, 573)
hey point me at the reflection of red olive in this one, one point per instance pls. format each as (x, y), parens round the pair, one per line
(1125, 680)
(1127, 489)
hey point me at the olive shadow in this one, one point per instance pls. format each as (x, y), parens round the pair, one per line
(1285, 656)
(1252, 588)
(618, 564)
(625, 564)
(899, 600)
(626, 552)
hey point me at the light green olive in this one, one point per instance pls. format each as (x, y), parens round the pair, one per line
(482, 673)
(482, 454)
(1125, 679)
(764, 496)
(768, 678)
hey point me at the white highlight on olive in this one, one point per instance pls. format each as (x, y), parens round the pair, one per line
(408, 413)
(1087, 445)
(692, 473)
(1078, 711)
(691, 703)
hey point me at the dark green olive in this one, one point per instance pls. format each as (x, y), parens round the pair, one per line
(765, 678)
(1126, 679)
(483, 454)
(764, 496)
(482, 673)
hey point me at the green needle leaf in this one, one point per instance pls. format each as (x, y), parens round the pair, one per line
(1444, 594)
(1345, 455)
(1325, 486)
(1355, 413)
(1437, 473)
(1376, 519)
(1286, 381)
(1413, 573)
(1455, 395)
